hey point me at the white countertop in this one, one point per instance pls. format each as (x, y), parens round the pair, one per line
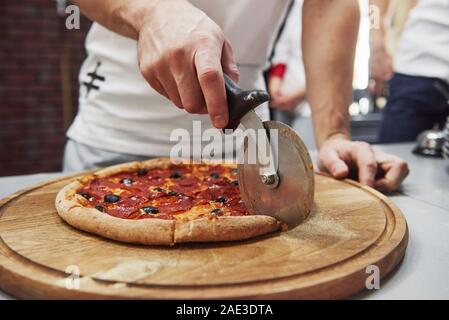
(424, 200)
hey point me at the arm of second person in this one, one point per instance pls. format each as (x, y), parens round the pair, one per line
(380, 62)
(329, 41)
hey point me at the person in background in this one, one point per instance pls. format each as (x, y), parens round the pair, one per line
(287, 80)
(286, 96)
(286, 77)
(384, 41)
(419, 71)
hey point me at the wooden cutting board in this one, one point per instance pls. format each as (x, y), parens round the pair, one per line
(350, 228)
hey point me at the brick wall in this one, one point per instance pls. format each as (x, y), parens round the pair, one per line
(36, 54)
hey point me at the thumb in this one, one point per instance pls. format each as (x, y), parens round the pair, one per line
(331, 162)
(228, 62)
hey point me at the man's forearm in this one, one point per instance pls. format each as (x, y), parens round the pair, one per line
(329, 41)
(121, 16)
(378, 32)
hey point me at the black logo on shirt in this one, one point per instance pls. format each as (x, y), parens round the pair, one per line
(90, 85)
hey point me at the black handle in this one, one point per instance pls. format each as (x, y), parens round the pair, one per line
(240, 102)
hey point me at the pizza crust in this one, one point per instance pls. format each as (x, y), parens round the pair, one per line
(153, 231)
(224, 228)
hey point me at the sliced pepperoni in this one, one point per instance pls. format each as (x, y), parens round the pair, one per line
(126, 206)
(106, 183)
(200, 201)
(188, 181)
(168, 199)
(237, 206)
(158, 195)
(121, 211)
(133, 200)
(158, 173)
(206, 195)
(183, 169)
(214, 193)
(99, 193)
(137, 187)
(156, 181)
(181, 205)
(191, 183)
(187, 185)
(222, 181)
(210, 169)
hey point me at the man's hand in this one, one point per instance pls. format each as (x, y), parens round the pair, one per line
(380, 64)
(182, 54)
(284, 101)
(274, 85)
(288, 101)
(339, 156)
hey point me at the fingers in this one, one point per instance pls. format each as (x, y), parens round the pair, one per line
(285, 103)
(363, 155)
(379, 88)
(274, 86)
(162, 82)
(228, 62)
(337, 154)
(330, 161)
(388, 72)
(187, 66)
(170, 87)
(146, 69)
(396, 170)
(210, 76)
(156, 85)
(188, 87)
(175, 77)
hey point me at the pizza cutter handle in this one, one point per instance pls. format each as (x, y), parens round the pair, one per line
(240, 102)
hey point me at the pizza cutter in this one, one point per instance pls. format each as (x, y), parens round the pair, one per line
(275, 172)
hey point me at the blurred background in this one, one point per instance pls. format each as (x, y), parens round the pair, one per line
(39, 64)
(40, 60)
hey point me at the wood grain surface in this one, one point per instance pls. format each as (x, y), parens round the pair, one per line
(350, 228)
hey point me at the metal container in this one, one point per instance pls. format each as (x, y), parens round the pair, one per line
(430, 143)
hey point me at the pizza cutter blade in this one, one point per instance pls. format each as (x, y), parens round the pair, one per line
(280, 183)
(291, 200)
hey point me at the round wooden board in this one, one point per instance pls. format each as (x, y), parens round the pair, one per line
(350, 228)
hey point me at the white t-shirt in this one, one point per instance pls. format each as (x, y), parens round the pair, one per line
(424, 45)
(120, 112)
(289, 52)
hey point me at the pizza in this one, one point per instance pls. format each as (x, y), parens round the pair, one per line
(162, 203)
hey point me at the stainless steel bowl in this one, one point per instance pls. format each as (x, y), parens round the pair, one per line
(430, 143)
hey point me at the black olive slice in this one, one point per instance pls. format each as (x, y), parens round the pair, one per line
(235, 183)
(221, 199)
(99, 208)
(142, 171)
(175, 175)
(150, 209)
(127, 181)
(111, 198)
(172, 193)
(85, 195)
(215, 175)
(216, 211)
